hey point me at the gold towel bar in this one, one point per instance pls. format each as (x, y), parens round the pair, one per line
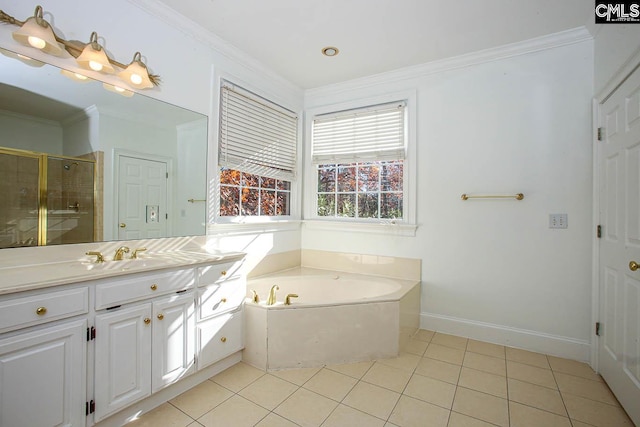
(196, 200)
(518, 196)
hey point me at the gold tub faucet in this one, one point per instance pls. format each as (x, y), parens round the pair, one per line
(272, 295)
(287, 300)
(255, 296)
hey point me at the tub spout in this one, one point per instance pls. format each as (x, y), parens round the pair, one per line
(272, 295)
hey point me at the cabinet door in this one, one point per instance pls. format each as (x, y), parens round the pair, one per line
(218, 338)
(122, 359)
(42, 377)
(173, 339)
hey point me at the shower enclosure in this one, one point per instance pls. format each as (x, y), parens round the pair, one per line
(46, 199)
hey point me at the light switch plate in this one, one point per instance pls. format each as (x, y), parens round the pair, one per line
(558, 221)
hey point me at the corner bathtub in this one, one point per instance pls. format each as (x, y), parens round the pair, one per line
(337, 318)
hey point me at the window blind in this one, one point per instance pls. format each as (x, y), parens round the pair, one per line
(256, 135)
(373, 133)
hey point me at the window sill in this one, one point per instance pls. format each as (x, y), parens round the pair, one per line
(252, 227)
(388, 227)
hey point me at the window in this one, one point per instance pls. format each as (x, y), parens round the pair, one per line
(257, 155)
(359, 157)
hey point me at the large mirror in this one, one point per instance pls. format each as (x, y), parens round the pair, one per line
(79, 163)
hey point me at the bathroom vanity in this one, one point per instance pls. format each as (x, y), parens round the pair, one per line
(81, 342)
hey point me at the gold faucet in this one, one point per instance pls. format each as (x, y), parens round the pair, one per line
(119, 256)
(287, 300)
(98, 255)
(255, 296)
(272, 295)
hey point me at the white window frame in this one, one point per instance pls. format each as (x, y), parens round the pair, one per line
(254, 222)
(405, 226)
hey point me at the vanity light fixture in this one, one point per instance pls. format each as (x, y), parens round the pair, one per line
(93, 57)
(75, 76)
(118, 90)
(37, 32)
(25, 59)
(136, 73)
(330, 51)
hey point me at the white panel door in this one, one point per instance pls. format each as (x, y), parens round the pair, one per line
(123, 358)
(173, 339)
(619, 163)
(142, 198)
(42, 377)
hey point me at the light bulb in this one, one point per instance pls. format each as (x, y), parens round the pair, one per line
(118, 88)
(80, 76)
(136, 79)
(36, 42)
(96, 66)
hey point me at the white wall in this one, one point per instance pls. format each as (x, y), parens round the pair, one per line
(30, 133)
(614, 45)
(493, 269)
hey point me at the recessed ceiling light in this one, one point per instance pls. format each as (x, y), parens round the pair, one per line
(330, 51)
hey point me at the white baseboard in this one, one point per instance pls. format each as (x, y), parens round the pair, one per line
(555, 345)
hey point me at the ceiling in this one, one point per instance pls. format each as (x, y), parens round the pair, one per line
(374, 36)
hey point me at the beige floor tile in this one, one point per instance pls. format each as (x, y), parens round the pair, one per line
(275, 420)
(165, 415)
(481, 362)
(201, 399)
(531, 374)
(527, 357)
(424, 335)
(331, 384)
(444, 354)
(195, 424)
(483, 406)
(236, 411)
(431, 390)
(416, 347)
(595, 413)
(484, 382)
(387, 377)
(373, 400)
(536, 396)
(488, 349)
(594, 390)
(238, 376)
(306, 408)
(459, 420)
(442, 371)
(526, 416)
(344, 416)
(355, 370)
(268, 391)
(411, 412)
(573, 367)
(296, 376)
(450, 341)
(405, 361)
(580, 424)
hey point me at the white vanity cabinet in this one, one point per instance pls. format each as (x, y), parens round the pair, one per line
(43, 367)
(142, 347)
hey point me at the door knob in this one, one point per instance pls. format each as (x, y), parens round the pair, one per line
(633, 266)
(123, 225)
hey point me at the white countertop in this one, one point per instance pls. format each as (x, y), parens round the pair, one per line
(43, 275)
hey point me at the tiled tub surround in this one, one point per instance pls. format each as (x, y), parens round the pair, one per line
(337, 317)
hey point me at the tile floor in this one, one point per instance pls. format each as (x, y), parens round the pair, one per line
(441, 380)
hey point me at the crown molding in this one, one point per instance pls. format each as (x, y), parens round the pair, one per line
(537, 44)
(194, 30)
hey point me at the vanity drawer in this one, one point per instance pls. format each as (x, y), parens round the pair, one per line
(220, 298)
(218, 338)
(36, 309)
(217, 272)
(142, 286)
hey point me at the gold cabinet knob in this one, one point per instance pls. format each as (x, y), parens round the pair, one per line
(160, 316)
(154, 287)
(223, 300)
(223, 273)
(123, 225)
(147, 320)
(223, 339)
(41, 311)
(633, 266)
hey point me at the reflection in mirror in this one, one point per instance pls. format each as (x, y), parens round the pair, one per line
(79, 163)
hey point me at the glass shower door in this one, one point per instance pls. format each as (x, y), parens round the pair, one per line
(20, 187)
(70, 201)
